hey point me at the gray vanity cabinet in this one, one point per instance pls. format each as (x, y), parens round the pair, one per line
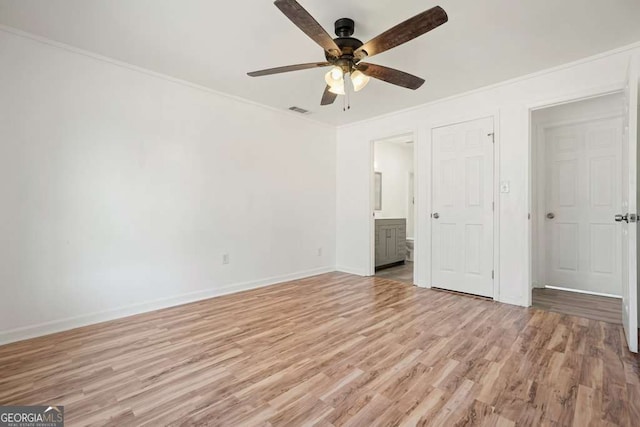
(391, 241)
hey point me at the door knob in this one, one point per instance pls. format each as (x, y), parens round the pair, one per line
(436, 215)
(551, 215)
(627, 218)
(620, 218)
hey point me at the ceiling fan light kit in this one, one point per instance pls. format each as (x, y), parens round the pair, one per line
(345, 53)
(336, 79)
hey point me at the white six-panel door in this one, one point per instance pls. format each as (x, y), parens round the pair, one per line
(462, 201)
(583, 195)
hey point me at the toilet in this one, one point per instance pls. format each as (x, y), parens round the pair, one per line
(410, 249)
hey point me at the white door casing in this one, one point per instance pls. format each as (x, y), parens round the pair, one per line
(582, 196)
(462, 200)
(630, 206)
(411, 205)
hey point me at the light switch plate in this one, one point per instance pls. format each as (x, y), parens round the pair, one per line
(504, 187)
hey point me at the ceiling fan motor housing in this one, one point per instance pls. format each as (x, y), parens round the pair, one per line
(344, 30)
(345, 27)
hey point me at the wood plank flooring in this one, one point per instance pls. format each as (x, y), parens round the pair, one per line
(590, 306)
(400, 273)
(334, 349)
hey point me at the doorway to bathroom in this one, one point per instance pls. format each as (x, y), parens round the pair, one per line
(394, 208)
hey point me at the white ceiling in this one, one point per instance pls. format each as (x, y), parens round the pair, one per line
(214, 43)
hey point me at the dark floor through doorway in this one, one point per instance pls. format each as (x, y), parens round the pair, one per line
(605, 309)
(400, 273)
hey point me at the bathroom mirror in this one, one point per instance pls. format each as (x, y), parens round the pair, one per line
(378, 191)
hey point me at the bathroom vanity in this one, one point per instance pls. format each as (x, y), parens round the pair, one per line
(391, 244)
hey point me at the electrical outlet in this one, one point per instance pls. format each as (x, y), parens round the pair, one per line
(225, 258)
(319, 251)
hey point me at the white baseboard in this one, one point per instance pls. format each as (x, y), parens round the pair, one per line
(54, 326)
(579, 291)
(356, 271)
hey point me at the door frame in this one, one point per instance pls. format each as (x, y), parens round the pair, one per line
(494, 115)
(539, 192)
(584, 95)
(372, 200)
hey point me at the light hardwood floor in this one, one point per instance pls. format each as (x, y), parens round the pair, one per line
(330, 350)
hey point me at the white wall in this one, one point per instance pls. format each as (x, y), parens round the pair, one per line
(509, 103)
(590, 109)
(395, 162)
(597, 107)
(121, 189)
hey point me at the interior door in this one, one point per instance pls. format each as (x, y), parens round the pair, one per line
(462, 217)
(583, 194)
(628, 218)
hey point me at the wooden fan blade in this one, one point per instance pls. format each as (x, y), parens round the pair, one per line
(389, 75)
(404, 32)
(303, 20)
(328, 97)
(288, 68)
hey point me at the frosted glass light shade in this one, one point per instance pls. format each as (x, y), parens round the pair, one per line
(335, 76)
(359, 80)
(337, 89)
(335, 80)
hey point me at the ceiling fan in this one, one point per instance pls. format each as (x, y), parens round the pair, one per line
(345, 53)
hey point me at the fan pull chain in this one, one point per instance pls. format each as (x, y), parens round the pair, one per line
(346, 101)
